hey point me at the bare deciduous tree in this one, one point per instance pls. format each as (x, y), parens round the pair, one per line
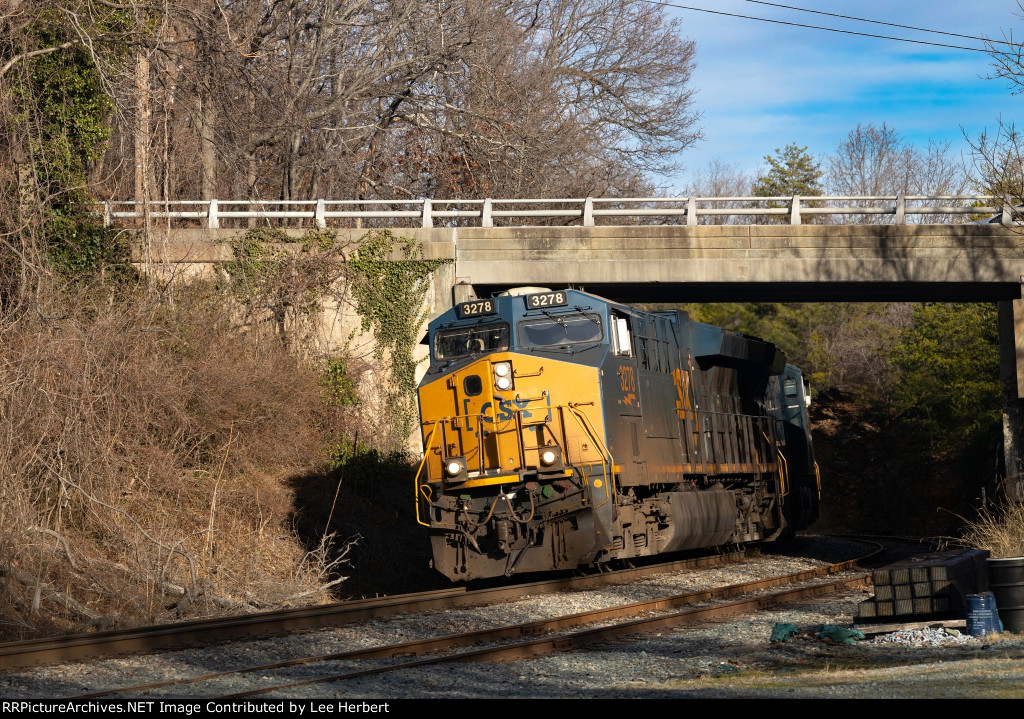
(402, 99)
(878, 161)
(998, 159)
(720, 179)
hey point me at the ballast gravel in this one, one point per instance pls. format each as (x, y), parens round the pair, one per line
(733, 658)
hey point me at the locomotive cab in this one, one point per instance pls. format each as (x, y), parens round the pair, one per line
(482, 397)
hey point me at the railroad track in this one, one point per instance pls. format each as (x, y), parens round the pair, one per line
(349, 618)
(126, 641)
(532, 639)
(621, 625)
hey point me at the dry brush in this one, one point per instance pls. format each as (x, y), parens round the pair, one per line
(142, 464)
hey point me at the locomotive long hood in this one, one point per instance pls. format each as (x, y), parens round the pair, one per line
(744, 353)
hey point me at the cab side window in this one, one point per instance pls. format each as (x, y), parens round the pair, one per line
(622, 343)
(789, 387)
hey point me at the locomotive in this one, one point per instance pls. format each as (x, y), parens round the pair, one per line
(563, 430)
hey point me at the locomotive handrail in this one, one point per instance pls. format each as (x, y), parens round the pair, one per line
(783, 474)
(520, 446)
(500, 426)
(610, 474)
(419, 470)
(592, 433)
(663, 210)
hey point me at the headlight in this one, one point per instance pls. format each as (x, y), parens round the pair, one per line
(455, 469)
(503, 376)
(550, 458)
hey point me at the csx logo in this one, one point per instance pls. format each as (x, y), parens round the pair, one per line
(504, 411)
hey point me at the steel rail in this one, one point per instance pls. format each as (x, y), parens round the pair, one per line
(122, 641)
(533, 648)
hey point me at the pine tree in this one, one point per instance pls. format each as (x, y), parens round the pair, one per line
(791, 172)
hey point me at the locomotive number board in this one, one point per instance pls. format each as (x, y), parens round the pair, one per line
(477, 307)
(546, 299)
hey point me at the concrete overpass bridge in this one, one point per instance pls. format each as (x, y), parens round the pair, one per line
(670, 250)
(672, 263)
(658, 249)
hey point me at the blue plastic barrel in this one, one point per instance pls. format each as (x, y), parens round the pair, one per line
(982, 615)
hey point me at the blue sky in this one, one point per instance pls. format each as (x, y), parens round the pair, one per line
(761, 85)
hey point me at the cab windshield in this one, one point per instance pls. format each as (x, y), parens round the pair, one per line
(560, 330)
(464, 341)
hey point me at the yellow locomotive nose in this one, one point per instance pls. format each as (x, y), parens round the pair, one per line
(499, 416)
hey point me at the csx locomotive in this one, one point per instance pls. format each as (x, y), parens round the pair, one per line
(561, 430)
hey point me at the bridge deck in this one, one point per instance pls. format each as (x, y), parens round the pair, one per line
(712, 263)
(718, 263)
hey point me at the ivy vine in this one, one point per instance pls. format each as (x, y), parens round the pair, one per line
(387, 277)
(62, 115)
(390, 278)
(255, 259)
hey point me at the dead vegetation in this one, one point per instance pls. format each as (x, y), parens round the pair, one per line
(999, 530)
(145, 444)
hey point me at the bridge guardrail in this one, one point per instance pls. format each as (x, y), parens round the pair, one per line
(670, 210)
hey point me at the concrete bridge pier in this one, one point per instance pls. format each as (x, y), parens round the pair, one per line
(462, 291)
(1011, 364)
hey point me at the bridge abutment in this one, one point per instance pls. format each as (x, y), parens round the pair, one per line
(1011, 365)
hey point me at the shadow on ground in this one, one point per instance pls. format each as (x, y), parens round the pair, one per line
(369, 501)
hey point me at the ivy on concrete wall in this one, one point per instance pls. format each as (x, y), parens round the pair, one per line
(287, 278)
(390, 279)
(384, 275)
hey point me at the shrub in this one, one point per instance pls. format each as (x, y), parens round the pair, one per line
(1000, 530)
(141, 469)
